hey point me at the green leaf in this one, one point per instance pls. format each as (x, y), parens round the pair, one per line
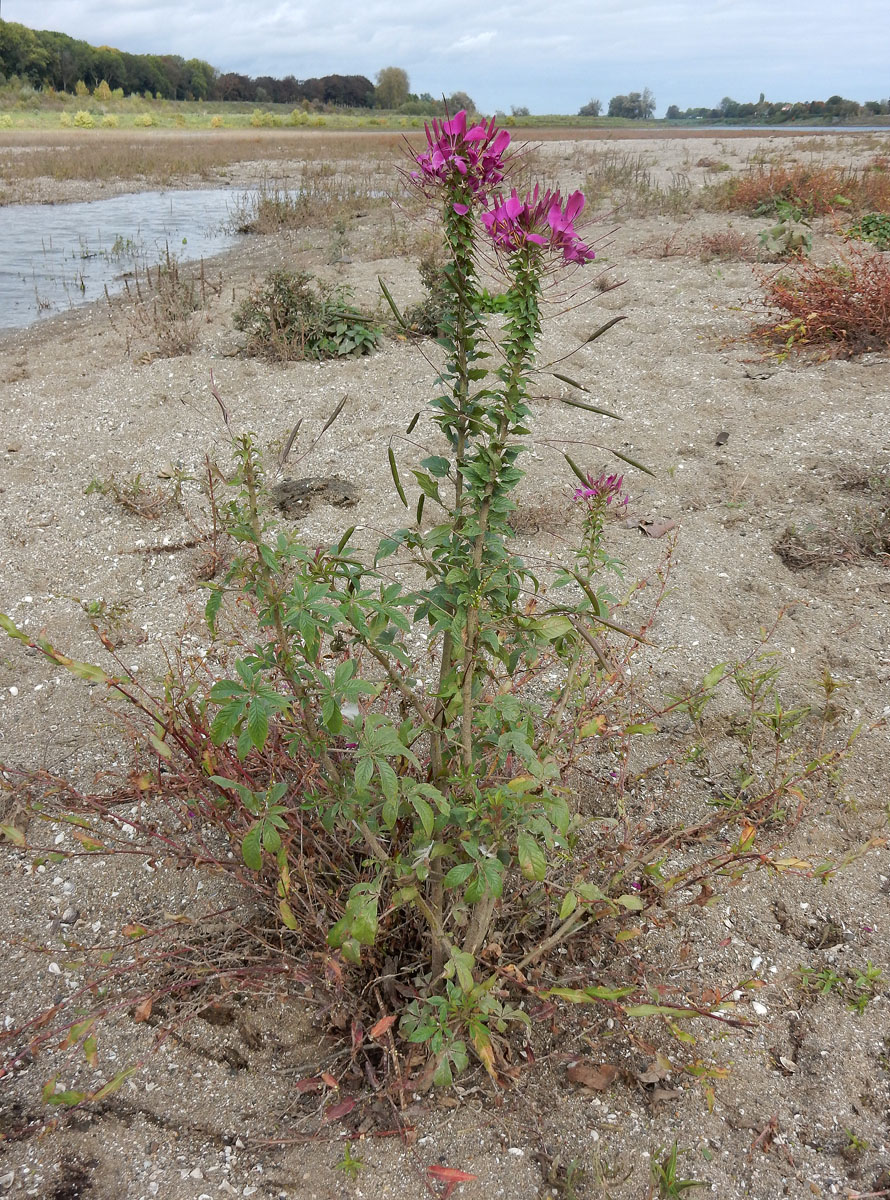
(258, 725)
(532, 860)
(459, 874)
(714, 676)
(13, 835)
(113, 1084)
(287, 915)
(589, 994)
(251, 849)
(160, 746)
(631, 902)
(424, 812)
(13, 630)
(211, 609)
(437, 465)
(569, 904)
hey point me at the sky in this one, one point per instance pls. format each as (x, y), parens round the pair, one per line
(551, 59)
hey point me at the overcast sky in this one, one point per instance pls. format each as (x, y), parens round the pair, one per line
(551, 57)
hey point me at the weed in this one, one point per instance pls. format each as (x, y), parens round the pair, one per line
(872, 227)
(815, 191)
(791, 237)
(286, 319)
(165, 302)
(727, 245)
(664, 1175)
(132, 495)
(857, 986)
(837, 311)
(350, 1164)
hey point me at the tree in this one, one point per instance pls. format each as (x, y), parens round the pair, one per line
(638, 106)
(392, 87)
(460, 101)
(592, 108)
(673, 113)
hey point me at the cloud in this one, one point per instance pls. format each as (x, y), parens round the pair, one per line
(475, 41)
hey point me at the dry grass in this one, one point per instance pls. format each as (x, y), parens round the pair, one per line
(839, 310)
(816, 190)
(162, 157)
(622, 180)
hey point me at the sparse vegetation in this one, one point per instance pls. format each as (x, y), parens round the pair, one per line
(837, 310)
(288, 317)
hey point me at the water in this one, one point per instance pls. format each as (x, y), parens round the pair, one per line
(53, 257)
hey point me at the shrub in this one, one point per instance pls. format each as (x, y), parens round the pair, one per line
(83, 119)
(102, 92)
(110, 121)
(65, 120)
(144, 120)
(6, 121)
(814, 191)
(838, 310)
(216, 122)
(285, 318)
(260, 119)
(81, 89)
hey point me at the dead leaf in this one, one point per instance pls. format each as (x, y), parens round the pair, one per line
(338, 1111)
(450, 1176)
(381, 1027)
(309, 1085)
(657, 529)
(142, 1011)
(666, 1094)
(329, 1079)
(595, 1076)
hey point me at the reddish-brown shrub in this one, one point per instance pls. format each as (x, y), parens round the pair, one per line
(817, 191)
(841, 310)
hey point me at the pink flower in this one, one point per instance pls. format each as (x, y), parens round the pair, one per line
(473, 157)
(538, 220)
(603, 490)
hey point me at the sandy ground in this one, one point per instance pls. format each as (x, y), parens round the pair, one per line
(741, 449)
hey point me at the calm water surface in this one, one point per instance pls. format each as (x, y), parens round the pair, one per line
(56, 256)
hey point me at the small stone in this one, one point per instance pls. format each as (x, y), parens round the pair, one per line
(7, 1180)
(196, 1173)
(759, 1008)
(70, 915)
(13, 447)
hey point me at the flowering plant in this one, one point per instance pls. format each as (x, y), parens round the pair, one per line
(471, 159)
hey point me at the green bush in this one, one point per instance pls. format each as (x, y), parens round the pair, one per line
(83, 119)
(286, 319)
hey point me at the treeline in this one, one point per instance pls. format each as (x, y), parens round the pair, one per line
(46, 59)
(835, 108)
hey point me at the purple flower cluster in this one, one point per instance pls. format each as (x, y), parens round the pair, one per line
(541, 219)
(603, 490)
(474, 155)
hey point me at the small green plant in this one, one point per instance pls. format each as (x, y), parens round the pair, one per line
(874, 228)
(856, 985)
(664, 1175)
(350, 1164)
(790, 237)
(287, 318)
